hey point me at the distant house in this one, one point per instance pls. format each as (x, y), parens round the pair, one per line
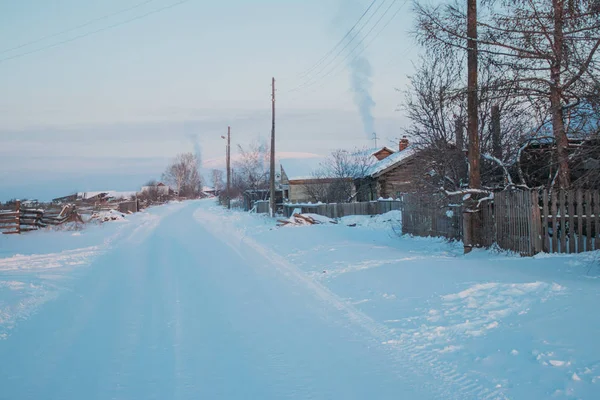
(538, 165)
(160, 189)
(301, 183)
(210, 191)
(390, 176)
(295, 174)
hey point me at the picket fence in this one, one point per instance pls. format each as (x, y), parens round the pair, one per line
(524, 221)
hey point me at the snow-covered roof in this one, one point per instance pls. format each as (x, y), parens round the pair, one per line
(373, 150)
(109, 193)
(391, 161)
(208, 189)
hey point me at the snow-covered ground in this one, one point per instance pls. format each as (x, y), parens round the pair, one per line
(192, 301)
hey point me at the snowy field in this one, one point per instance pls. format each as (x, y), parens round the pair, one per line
(191, 301)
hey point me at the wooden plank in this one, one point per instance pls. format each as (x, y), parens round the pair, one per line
(554, 211)
(572, 212)
(596, 220)
(580, 240)
(563, 220)
(545, 222)
(499, 220)
(588, 220)
(518, 234)
(524, 212)
(536, 226)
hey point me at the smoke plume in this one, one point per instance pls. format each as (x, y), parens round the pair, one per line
(360, 81)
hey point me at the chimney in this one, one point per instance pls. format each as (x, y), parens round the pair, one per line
(403, 143)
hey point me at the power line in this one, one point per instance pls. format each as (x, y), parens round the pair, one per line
(338, 43)
(90, 22)
(349, 42)
(376, 35)
(336, 69)
(95, 31)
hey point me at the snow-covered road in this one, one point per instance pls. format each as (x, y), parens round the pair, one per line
(191, 301)
(181, 309)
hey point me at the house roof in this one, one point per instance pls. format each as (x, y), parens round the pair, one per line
(108, 193)
(391, 161)
(373, 150)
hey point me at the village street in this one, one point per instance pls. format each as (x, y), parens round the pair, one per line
(188, 301)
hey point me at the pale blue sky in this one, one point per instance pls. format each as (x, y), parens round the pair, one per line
(108, 110)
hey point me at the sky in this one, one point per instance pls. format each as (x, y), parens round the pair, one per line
(100, 95)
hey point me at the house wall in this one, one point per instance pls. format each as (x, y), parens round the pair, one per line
(298, 192)
(398, 180)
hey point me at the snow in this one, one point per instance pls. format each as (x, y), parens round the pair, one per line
(190, 300)
(318, 218)
(106, 216)
(393, 159)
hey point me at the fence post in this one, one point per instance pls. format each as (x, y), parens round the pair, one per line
(545, 224)
(536, 224)
(18, 217)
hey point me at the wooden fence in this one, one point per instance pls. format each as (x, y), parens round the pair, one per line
(570, 221)
(338, 210)
(431, 216)
(23, 220)
(526, 222)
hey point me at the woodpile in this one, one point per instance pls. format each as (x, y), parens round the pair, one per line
(24, 220)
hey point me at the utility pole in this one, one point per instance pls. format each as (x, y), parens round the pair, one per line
(272, 172)
(471, 220)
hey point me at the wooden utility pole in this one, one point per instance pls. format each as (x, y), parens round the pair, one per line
(228, 157)
(272, 171)
(471, 219)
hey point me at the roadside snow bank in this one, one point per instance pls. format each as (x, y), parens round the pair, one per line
(391, 219)
(485, 325)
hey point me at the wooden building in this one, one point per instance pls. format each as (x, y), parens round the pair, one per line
(391, 176)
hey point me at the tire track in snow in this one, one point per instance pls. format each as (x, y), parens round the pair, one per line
(406, 355)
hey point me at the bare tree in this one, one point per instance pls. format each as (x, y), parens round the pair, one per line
(252, 168)
(184, 174)
(217, 180)
(549, 49)
(339, 178)
(435, 104)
